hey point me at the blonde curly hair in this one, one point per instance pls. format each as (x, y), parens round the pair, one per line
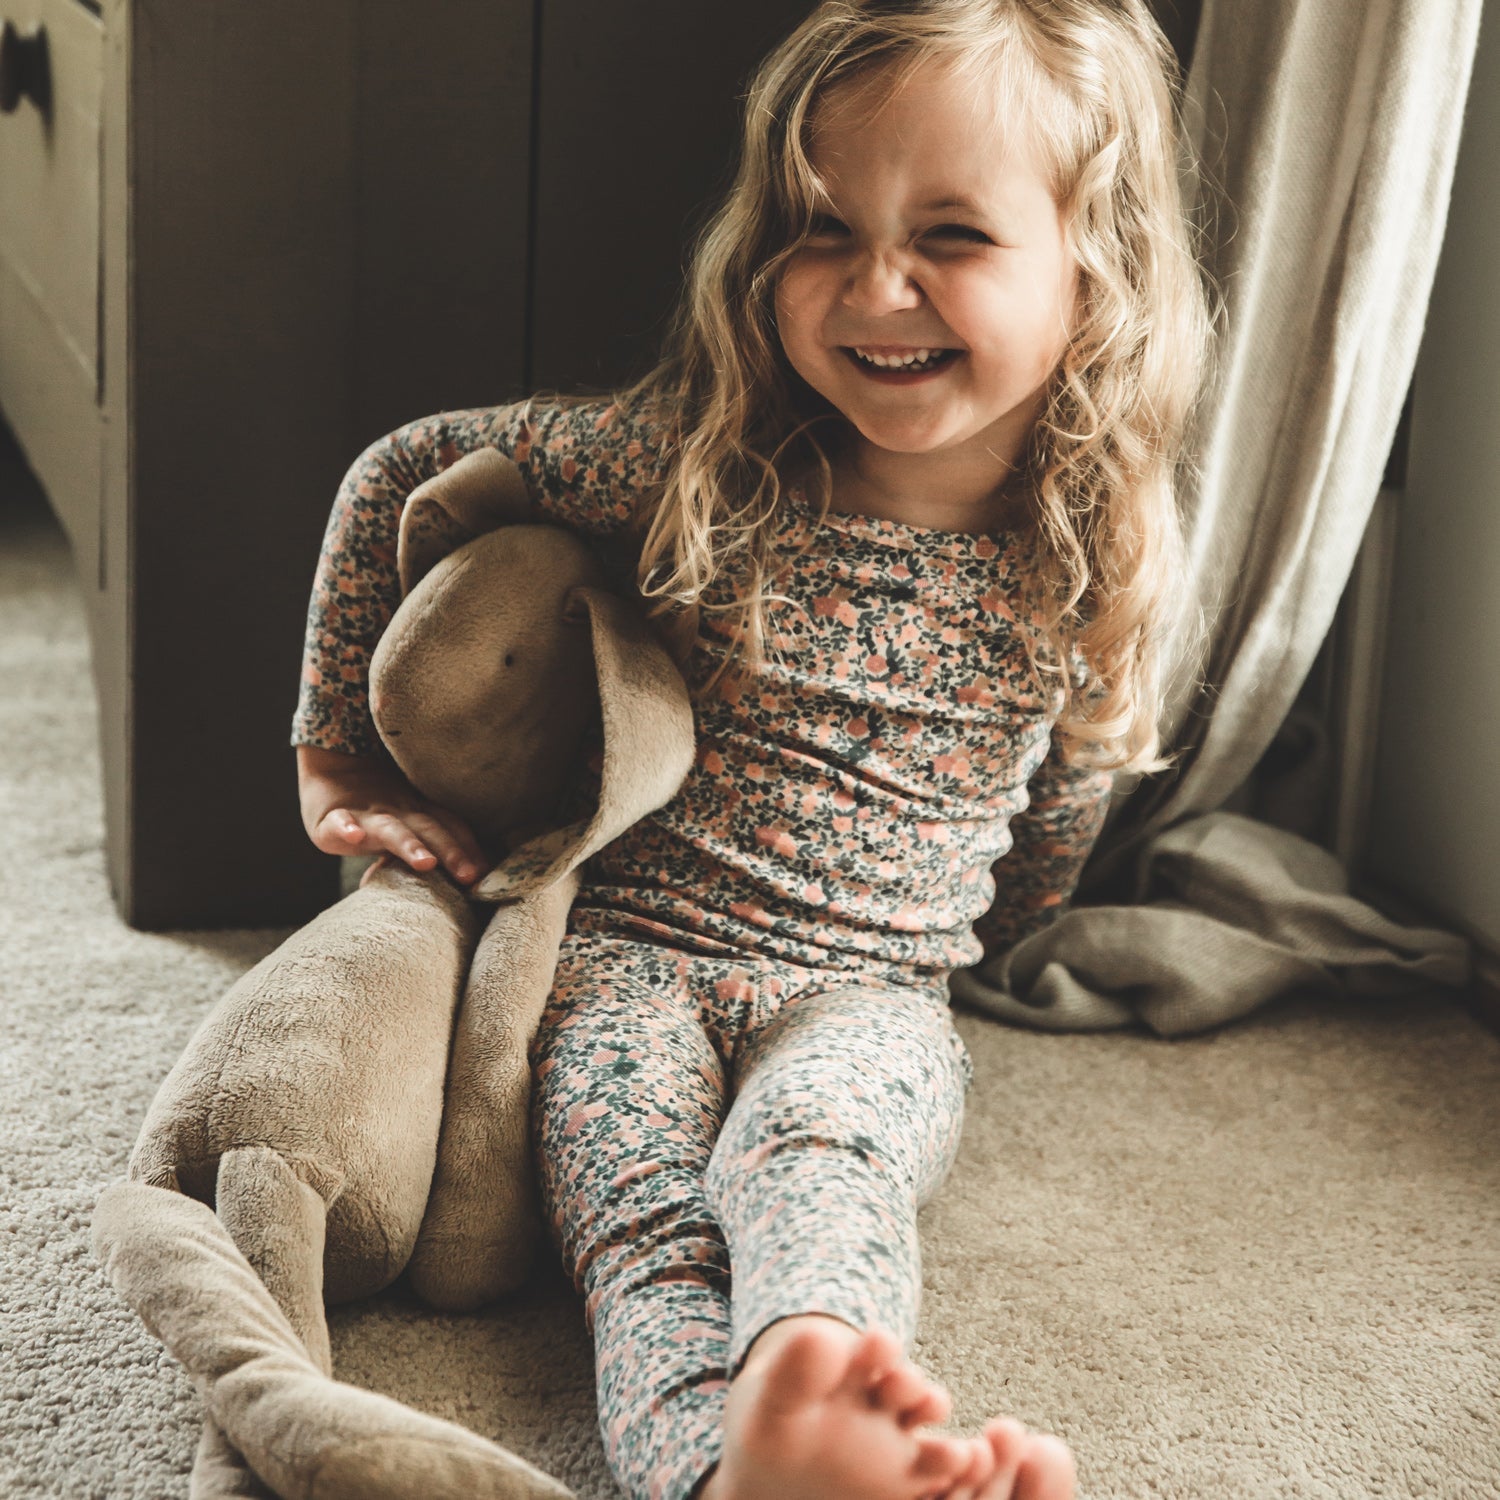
(1100, 87)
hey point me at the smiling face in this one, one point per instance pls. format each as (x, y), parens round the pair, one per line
(935, 296)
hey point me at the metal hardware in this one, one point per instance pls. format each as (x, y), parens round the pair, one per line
(24, 69)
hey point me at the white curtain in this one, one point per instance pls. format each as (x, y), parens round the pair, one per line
(1328, 130)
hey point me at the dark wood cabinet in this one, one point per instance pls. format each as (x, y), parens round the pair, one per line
(253, 238)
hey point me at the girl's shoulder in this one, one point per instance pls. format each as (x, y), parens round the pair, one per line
(572, 429)
(588, 461)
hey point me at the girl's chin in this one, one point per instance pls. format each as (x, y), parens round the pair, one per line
(907, 442)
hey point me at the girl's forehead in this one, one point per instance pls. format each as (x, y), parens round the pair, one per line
(934, 116)
(992, 110)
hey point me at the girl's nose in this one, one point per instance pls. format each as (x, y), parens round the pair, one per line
(878, 284)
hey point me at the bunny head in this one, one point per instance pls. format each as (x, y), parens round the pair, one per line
(510, 677)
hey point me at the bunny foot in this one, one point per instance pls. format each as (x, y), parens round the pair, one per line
(313, 1438)
(219, 1473)
(306, 1435)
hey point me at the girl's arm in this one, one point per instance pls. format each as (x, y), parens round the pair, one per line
(1052, 839)
(584, 465)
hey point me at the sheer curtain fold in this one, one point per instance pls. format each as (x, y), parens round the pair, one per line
(1328, 132)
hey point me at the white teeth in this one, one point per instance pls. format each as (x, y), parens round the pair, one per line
(897, 361)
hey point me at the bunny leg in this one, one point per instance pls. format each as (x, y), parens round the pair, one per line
(483, 1225)
(305, 1435)
(277, 1221)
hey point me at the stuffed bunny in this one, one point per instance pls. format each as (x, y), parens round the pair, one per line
(310, 1107)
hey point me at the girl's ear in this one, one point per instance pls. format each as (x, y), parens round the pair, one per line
(484, 490)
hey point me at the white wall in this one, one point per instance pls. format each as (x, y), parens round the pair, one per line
(1435, 823)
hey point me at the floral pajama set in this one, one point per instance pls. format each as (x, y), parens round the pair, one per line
(747, 1059)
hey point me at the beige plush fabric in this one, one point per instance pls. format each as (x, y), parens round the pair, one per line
(1329, 129)
(1258, 1263)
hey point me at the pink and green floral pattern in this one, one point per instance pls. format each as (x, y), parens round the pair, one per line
(722, 1141)
(860, 801)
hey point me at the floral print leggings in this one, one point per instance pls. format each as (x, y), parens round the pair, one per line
(695, 1112)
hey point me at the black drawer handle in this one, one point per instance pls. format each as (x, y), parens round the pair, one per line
(24, 71)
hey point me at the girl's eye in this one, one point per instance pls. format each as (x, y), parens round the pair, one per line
(825, 226)
(961, 232)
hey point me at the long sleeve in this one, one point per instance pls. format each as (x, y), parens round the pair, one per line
(1051, 840)
(585, 465)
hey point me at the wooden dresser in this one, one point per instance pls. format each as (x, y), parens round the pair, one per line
(240, 242)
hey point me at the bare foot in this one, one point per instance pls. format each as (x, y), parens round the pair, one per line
(823, 1412)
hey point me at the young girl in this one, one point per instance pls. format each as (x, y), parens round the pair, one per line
(901, 490)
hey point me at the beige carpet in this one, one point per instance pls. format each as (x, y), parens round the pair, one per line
(1256, 1264)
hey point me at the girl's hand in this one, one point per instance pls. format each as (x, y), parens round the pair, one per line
(352, 804)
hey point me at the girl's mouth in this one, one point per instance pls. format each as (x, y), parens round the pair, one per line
(899, 368)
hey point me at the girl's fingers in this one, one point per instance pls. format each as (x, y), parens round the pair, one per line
(339, 832)
(392, 833)
(450, 839)
(455, 827)
(420, 837)
(349, 827)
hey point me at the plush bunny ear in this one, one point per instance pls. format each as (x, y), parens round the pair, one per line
(648, 749)
(482, 491)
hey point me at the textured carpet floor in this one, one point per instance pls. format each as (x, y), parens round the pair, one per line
(1255, 1264)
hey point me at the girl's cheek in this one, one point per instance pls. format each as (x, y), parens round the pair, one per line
(783, 308)
(793, 309)
(956, 313)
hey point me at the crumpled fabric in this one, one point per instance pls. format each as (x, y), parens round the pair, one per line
(1233, 913)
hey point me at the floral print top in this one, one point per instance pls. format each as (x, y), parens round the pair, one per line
(882, 792)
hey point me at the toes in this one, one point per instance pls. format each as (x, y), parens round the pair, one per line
(1008, 1442)
(876, 1354)
(934, 1408)
(912, 1398)
(1046, 1471)
(881, 1372)
(943, 1462)
(980, 1471)
(899, 1389)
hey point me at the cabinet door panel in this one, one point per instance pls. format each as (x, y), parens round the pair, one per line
(49, 267)
(443, 162)
(637, 116)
